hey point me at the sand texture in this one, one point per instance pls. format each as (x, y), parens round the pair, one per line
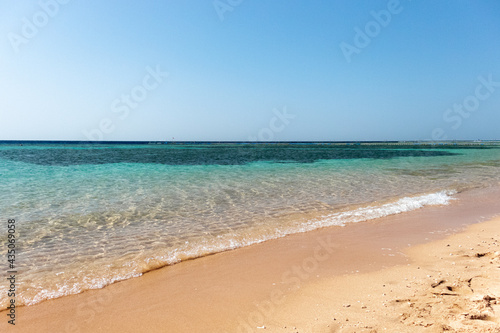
(451, 285)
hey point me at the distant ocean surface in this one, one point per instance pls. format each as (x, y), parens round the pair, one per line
(88, 215)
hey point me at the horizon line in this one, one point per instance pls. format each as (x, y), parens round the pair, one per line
(241, 142)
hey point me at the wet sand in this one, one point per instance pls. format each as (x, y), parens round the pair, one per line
(309, 282)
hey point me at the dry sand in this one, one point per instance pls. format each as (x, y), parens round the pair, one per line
(451, 285)
(395, 274)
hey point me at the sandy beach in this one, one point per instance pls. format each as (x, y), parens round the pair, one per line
(250, 166)
(451, 285)
(435, 269)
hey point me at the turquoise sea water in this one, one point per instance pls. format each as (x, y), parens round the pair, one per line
(89, 215)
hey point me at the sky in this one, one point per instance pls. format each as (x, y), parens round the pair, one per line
(238, 70)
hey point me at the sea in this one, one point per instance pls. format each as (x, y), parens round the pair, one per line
(91, 214)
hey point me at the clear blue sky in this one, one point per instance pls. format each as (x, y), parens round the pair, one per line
(82, 69)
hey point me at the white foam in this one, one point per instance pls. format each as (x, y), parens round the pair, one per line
(403, 205)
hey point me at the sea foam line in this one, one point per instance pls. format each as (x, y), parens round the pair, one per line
(402, 205)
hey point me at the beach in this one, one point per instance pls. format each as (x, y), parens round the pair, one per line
(451, 285)
(433, 269)
(250, 166)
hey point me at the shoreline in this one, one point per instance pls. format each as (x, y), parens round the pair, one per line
(321, 216)
(220, 292)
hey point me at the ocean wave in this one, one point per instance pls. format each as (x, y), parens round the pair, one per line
(402, 205)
